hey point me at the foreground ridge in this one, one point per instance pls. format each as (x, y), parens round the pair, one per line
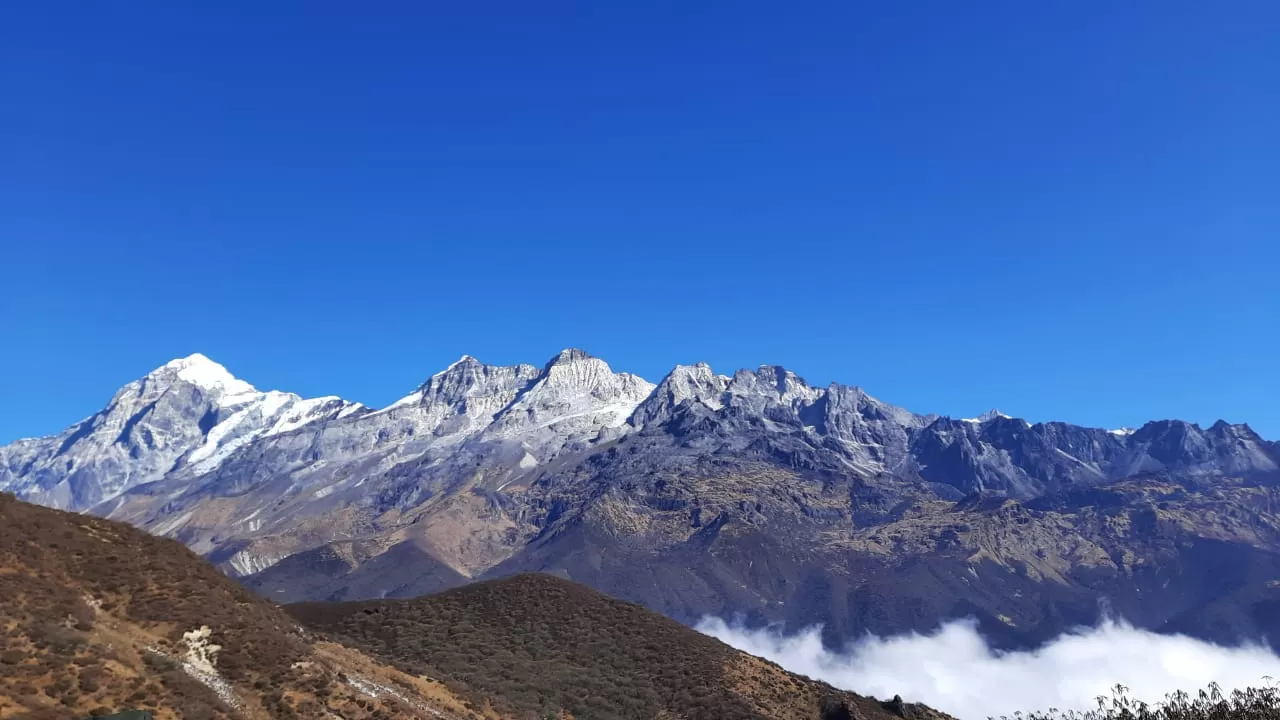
(536, 642)
(98, 616)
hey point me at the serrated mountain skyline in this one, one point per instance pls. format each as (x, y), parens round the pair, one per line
(191, 414)
(752, 493)
(212, 413)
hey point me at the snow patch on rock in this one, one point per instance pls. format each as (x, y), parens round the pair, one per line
(247, 562)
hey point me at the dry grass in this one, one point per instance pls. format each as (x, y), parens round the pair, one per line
(92, 614)
(542, 647)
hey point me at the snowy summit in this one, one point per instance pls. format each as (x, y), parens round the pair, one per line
(209, 375)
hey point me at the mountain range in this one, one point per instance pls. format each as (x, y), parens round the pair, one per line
(753, 495)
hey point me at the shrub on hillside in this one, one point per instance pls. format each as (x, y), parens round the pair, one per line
(1255, 703)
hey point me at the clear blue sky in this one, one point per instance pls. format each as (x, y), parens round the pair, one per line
(1068, 210)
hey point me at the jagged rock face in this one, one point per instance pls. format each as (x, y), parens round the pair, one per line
(771, 387)
(686, 383)
(1239, 450)
(875, 434)
(573, 467)
(464, 398)
(1010, 457)
(573, 399)
(1007, 456)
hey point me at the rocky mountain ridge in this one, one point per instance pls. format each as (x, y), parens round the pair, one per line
(190, 416)
(679, 495)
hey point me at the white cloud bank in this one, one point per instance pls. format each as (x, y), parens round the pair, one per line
(953, 669)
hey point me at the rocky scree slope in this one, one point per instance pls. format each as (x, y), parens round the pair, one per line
(753, 494)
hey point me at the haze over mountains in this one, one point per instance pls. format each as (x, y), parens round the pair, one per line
(752, 494)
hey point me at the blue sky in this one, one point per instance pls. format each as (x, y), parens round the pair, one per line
(1067, 210)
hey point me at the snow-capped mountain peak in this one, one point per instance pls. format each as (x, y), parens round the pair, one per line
(204, 373)
(187, 415)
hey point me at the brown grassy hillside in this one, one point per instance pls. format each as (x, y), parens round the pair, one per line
(97, 617)
(92, 618)
(543, 647)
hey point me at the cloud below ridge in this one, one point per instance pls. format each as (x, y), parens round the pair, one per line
(954, 670)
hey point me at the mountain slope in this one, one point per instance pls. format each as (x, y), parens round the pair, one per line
(189, 414)
(96, 615)
(545, 647)
(780, 547)
(754, 493)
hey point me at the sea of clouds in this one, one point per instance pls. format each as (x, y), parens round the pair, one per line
(954, 670)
